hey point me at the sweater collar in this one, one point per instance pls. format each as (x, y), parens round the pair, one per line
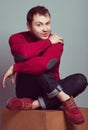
(33, 37)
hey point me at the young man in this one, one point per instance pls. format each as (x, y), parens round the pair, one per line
(37, 54)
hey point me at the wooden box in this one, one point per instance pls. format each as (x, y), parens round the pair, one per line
(40, 120)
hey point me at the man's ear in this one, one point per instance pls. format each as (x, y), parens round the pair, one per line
(28, 26)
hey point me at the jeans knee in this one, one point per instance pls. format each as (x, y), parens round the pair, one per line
(47, 76)
(43, 77)
(82, 80)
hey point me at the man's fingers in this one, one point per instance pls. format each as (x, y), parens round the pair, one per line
(12, 79)
(9, 74)
(61, 40)
(3, 81)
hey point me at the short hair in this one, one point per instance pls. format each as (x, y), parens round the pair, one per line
(41, 10)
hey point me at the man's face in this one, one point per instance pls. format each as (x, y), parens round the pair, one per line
(41, 26)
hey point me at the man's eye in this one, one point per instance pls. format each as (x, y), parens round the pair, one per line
(39, 25)
(48, 23)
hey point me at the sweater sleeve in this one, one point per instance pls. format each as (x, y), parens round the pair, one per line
(22, 49)
(40, 64)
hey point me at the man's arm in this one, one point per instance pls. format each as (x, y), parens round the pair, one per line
(40, 64)
(22, 49)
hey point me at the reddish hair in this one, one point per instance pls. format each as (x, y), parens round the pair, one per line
(41, 10)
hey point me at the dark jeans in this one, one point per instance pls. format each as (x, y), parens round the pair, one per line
(45, 88)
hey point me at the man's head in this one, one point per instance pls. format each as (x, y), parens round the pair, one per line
(38, 22)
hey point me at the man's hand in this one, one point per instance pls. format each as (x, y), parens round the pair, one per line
(9, 74)
(55, 38)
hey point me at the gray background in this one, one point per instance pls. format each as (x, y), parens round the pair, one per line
(69, 19)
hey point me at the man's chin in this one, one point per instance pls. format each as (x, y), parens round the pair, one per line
(43, 38)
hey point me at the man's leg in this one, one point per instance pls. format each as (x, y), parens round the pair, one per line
(72, 86)
(54, 93)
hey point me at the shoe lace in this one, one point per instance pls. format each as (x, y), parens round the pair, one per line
(70, 104)
(26, 106)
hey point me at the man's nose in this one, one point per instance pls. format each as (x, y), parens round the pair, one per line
(45, 28)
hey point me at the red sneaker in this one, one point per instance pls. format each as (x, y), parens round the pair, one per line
(19, 104)
(72, 111)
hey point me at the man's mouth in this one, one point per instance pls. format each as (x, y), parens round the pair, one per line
(45, 34)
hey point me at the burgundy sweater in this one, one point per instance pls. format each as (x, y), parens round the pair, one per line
(34, 56)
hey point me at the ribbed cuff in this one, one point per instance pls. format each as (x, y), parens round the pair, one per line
(15, 68)
(54, 92)
(42, 103)
(59, 88)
